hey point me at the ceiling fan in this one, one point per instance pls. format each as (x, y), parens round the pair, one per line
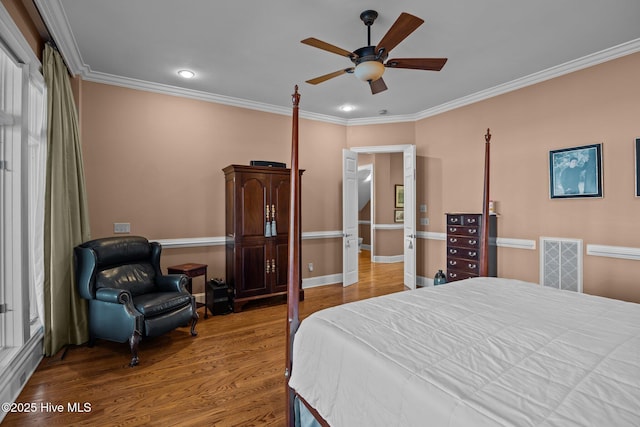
(370, 60)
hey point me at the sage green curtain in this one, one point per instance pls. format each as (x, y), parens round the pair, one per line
(66, 212)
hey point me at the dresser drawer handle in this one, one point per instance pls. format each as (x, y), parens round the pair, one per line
(473, 266)
(453, 275)
(473, 242)
(453, 229)
(473, 230)
(453, 239)
(473, 253)
(453, 220)
(453, 251)
(471, 220)
(452, 262)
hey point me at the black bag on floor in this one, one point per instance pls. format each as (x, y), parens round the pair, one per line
(219, 297)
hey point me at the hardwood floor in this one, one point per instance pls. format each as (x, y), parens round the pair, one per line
(231, 374)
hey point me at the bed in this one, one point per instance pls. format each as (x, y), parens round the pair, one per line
(479, 352)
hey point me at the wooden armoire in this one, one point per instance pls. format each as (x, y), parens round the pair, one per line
(256, 257)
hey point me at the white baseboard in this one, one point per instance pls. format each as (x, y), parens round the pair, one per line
(330, 279)
(424, 282)
(388, 259)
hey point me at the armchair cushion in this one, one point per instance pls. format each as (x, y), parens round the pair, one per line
(137, 278)
(157, 303)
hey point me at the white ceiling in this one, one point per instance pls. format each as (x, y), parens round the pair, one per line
(248, 53)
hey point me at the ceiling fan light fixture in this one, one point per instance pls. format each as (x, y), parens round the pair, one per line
(369, 70)
(371, 60)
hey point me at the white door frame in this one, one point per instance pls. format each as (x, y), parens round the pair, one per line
(381, 149)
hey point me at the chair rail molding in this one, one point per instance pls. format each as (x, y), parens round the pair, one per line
(189, 242)
(620, 252)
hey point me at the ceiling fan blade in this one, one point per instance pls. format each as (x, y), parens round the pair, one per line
(404, 25)
(377, 86)
(431, 64)
(311, 41)
(329, 76)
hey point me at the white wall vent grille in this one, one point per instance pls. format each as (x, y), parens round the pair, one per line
(561, 263)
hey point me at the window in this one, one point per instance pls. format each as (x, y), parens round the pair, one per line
(37, 166)
(10, 111)
(22, 184)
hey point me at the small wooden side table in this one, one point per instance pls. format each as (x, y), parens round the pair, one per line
(192, 270)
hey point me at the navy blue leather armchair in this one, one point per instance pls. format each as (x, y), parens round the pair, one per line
(129, 297)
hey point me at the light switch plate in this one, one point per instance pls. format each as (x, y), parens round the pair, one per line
(121, 227)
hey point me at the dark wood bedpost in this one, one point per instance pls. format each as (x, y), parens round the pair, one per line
(293, 276)
(484, 238)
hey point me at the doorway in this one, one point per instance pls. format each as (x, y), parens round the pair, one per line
(350, 211)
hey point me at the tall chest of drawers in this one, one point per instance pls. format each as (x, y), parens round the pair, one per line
(463, 245)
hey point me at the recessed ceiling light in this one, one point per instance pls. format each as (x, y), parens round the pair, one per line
(346, 108)
(187, 74)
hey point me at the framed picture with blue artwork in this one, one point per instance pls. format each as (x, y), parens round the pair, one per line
(576, 172)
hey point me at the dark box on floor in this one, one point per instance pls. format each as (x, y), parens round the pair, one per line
(219, 299)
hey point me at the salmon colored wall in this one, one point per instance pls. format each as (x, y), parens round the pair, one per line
(387, 173)
(598, 104)
(146, 152)
(156, 162)
(25, 23)
(381, 134)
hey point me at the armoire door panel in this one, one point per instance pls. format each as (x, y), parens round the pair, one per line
(252, 263)
(280, 194)
(230, 203)
(253, 206)
(281, 256)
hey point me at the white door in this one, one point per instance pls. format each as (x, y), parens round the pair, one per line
(410, 216)
(350, 217)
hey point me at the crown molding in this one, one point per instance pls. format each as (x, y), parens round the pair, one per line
(609, 54)
(382, 120)
(57, 23)
(131, 83)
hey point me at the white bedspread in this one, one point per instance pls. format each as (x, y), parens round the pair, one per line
(479, 352)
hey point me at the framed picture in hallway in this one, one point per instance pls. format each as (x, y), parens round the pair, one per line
(399, 196)
(576, 172)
